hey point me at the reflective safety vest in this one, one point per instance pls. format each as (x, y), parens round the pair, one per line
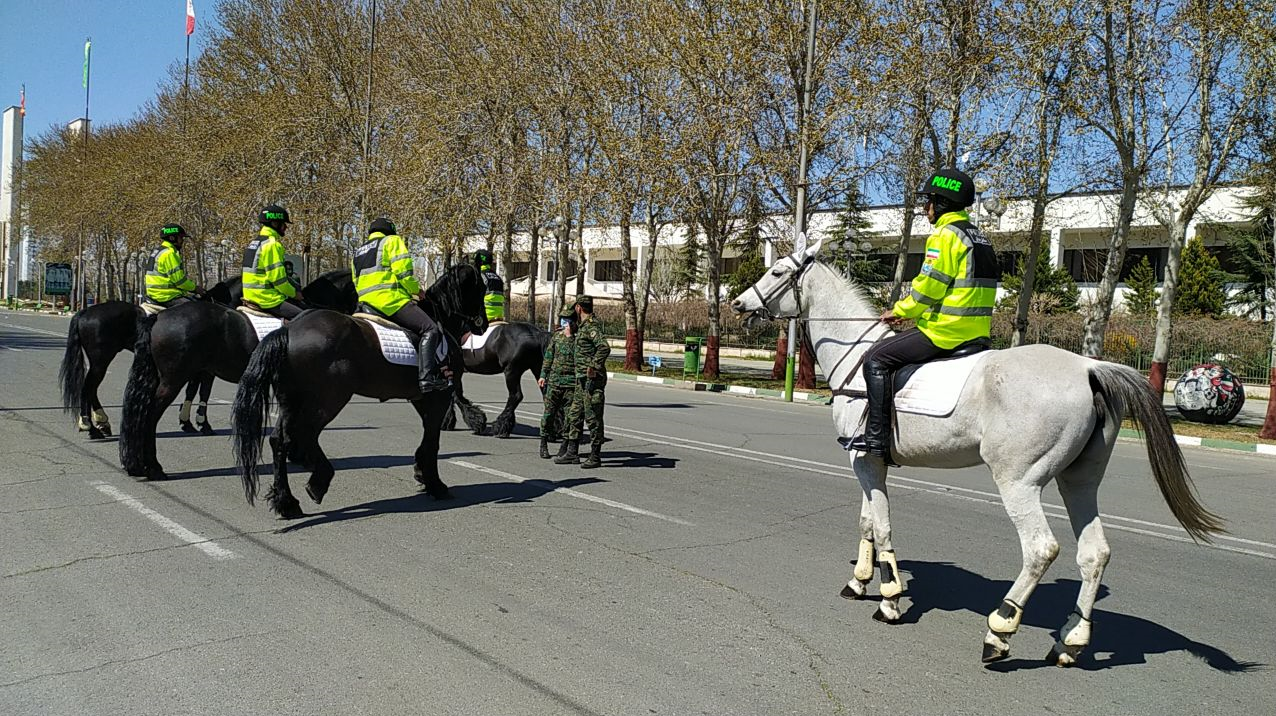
(165, 277)
(953, 296)
(382, 270)
(265, 281)
(494, 298)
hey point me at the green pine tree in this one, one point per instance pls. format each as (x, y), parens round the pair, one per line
(750, 270)
(1141, 299)
(850, 229)
(689, 268)
(1200, 290)
(1053, 290)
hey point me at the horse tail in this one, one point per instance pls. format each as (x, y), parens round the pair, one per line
(139, 397)
(252, 399)
(1127, 393)
(72, 373)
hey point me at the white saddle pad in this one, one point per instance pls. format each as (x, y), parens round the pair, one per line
(935, 387)
(263, 324)
(475, 342)
(396, 347)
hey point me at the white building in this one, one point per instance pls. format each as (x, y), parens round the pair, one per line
(11, 234)
(1078, 227)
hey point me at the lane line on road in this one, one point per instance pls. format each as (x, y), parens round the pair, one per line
(11, 348)
(200, 542)
(550, 487)
(1172, 533)
(33, 330)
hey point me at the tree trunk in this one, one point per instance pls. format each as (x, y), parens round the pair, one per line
(560, 262)
(1269, 423)
(1030, 266)
(581, 265)
(633, 349)
(507, 257)
(1096, 323)
(901, 249)
(781, 356)
(649, 263)
(1164, 310)
(533, 268)
(713, 246)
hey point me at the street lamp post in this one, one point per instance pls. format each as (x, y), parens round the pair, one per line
(139, 274)
(225, 246)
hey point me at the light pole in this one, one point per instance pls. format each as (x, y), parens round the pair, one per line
(799, 206)
(139, 274)
(226, 246)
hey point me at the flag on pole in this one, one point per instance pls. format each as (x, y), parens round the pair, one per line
(190, 17)
(87, 45)
(22, 106)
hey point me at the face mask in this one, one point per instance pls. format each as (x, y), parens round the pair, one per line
(564, 322)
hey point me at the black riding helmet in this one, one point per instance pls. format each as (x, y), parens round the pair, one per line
(382, 225)
(483, 259)
(272, 215)
(172, 232)
(950, 189)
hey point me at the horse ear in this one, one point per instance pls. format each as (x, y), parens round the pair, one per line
(813, 249)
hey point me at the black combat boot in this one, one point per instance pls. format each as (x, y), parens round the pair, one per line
(876, 439)
(544, 448)
(429, 374)
(571, 456)
(595, 459)
(562, 448)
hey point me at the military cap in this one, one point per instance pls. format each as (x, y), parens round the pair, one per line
(567, 312)
(585, 301)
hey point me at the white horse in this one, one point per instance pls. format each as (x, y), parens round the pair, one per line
(1031, 414)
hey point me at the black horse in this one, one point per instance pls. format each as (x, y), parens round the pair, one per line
(316, 363)
(511, 349)
(96, 335)
(191, 340)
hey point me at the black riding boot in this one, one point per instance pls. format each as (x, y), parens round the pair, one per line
(429, 374)
(571, 456)
(544, 448)
(876, 439)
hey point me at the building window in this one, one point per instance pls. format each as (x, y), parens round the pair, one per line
(1085, 265)
(607, 270)
(517, 270)
(552, 275)
(1156, 258)
(731, 265)
(1008, 263)
(912, 266)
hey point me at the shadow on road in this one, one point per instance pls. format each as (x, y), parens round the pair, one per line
(462, 496)
(363, 462)
(627, 458)
(28, 342)
(1118, 640)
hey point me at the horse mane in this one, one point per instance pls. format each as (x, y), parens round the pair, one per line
(447, 295)
(856, 291)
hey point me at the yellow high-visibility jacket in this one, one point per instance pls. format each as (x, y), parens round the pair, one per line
(953, 296)
(166, 279)
(383, 273)
(265, 280)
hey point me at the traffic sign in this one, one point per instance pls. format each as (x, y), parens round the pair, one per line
(57, 279)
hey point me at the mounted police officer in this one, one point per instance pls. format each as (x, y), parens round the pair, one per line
(167, 284)
(951, 299)
(266, 285)
(384, 280)
(558, 379)
(494, 298)
(591, 383)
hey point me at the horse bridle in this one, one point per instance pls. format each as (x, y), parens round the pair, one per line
(794, 284)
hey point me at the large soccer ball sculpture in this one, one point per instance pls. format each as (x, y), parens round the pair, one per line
(1209, 393)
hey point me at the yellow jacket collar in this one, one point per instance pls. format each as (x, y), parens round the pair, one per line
(268, 231)
(950, 217)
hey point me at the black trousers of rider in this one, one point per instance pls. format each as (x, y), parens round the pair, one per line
(901, 349)
(285, 310)
(411, 317)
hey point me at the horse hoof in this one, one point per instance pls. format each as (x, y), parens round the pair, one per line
(315, 493)
(95, 434)
(439, 493)
(1063, 655)
(155, 474)
(850, 592)
(188, 428)
(883, 617)
(992, 653)
(106, 431)
(206, 429)
(289, 509)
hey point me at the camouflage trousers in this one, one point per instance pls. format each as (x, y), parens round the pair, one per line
(587, 408)
(558, 399)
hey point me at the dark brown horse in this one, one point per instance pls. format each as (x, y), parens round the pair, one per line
(316, 363)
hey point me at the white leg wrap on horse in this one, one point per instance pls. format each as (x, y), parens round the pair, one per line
(81, 424)
(1076, 632)
(864, 562)
(892, 585)
(100, 419)
(1006, 619)
(184, 414)
(201, 413)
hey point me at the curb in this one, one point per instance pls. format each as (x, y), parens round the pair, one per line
(700, 385)
(768, 393)
(1212, 443)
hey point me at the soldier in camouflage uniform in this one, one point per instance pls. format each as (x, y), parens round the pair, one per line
(558, 378)
(591, 382)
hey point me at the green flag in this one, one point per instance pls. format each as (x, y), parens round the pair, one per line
(87, 45)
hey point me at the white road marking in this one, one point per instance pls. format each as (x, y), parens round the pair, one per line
(1176, 533)
(572, 493)
(33, 330)
(11, 348)
(200, 542)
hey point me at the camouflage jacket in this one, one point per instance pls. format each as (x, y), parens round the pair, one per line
(560, 360)
(591, 349)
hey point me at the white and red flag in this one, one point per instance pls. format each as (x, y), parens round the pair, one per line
(190, 17)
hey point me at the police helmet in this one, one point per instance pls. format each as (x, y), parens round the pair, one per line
(483, 259)
(951, 187)
(273, 214)
(172, 232)
(382, 225)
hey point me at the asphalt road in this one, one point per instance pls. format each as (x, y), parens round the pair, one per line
(697, 573)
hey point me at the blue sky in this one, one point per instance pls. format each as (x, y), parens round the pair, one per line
(134, 43)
